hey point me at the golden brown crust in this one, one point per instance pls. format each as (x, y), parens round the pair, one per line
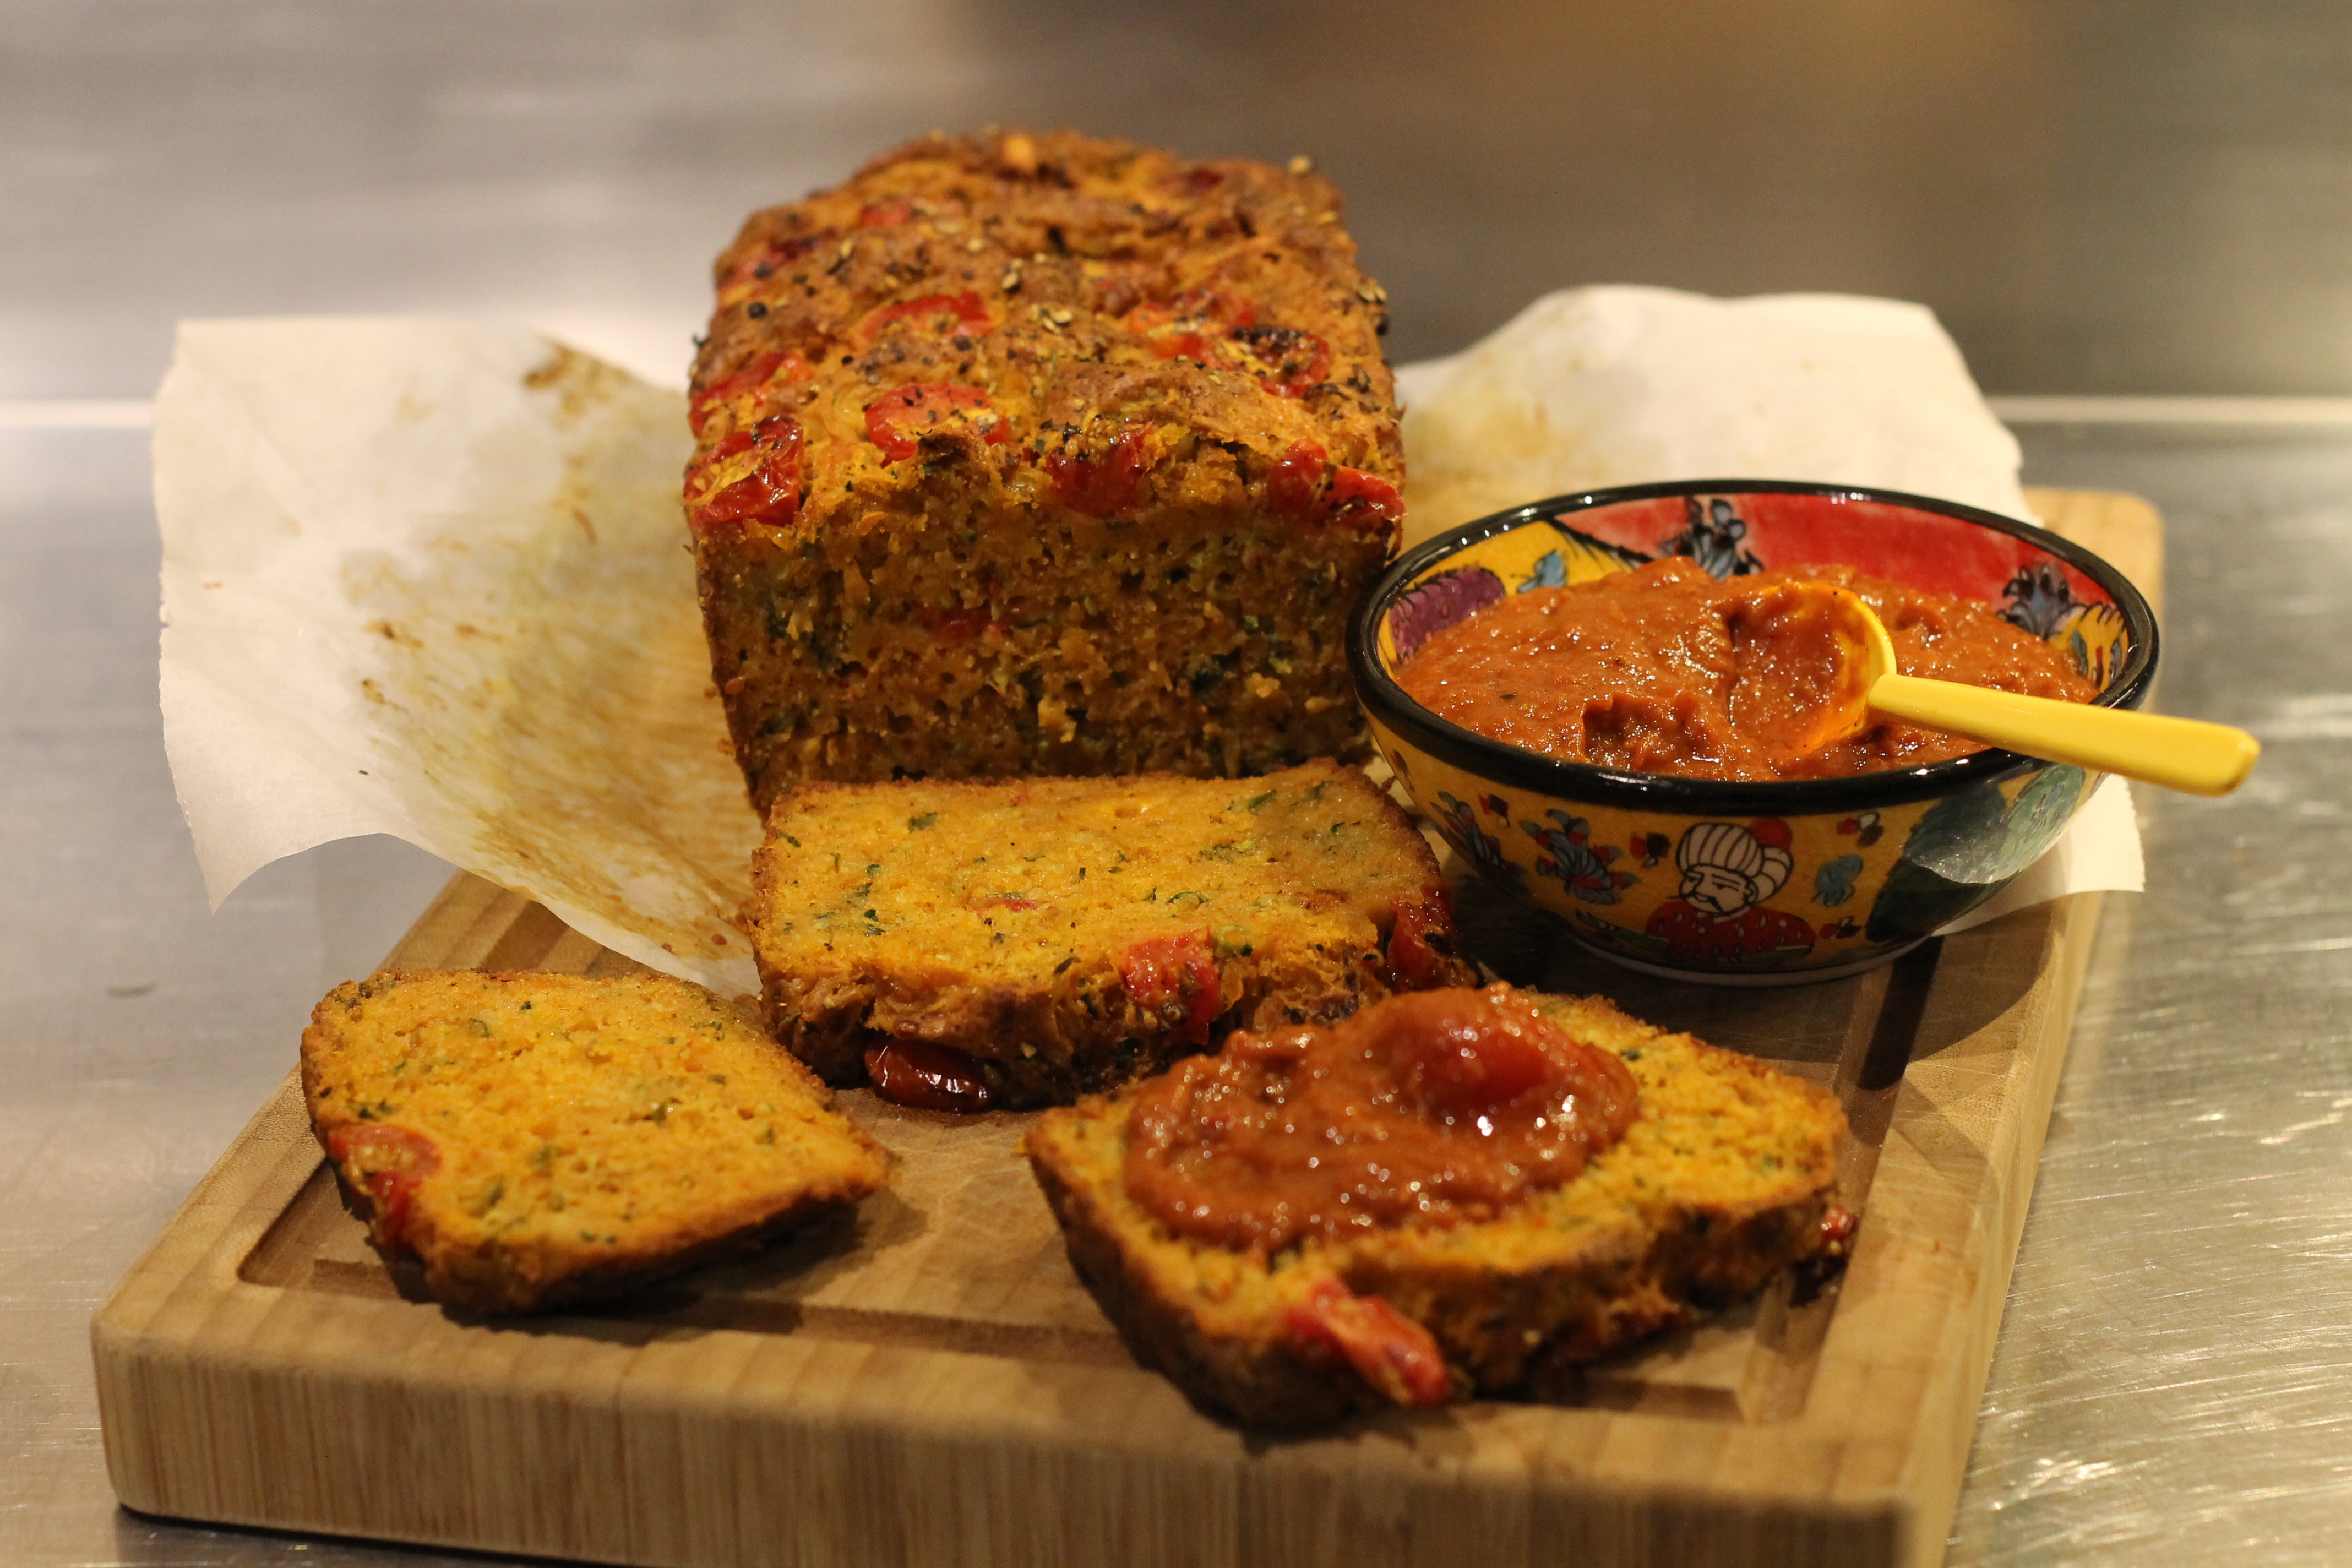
(1079, 550)
(1723, 1180)
(1003, 920)
(536, 1140)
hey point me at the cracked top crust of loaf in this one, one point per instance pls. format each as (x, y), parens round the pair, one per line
(1041, 455)
(1080, 284)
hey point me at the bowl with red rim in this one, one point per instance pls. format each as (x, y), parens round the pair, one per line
(1744, 882)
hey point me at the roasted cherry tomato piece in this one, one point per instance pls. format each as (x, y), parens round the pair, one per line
(1181, 969)
(946, 314)
(899, 419)
(1388, 1350)
(390, 1162)
(1189, 326)
(768, 491)
(1357, 496)
(927, 1076)
(1102, 486)
(1291, 361)
(889, 214)
(725, 390)
(760, 373)
(1468, 1070)
(1156, 323)
(1419, 953)
(734, 444)
(1296, 486)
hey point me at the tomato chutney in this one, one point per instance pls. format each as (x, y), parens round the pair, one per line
(1665, 669)
(1431, 1107)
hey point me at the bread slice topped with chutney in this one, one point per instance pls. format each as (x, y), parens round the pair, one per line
(971, 945)
(1450, 1194)
(538, 1139)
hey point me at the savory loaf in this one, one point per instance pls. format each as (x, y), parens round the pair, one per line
(1723, 1177)
(1040, 455)
(1039, 938)
(537, 1138)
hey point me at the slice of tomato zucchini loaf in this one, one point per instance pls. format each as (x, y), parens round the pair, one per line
(1041, 455)
(1021, 942)
(540, 1139)
(1451, 1192)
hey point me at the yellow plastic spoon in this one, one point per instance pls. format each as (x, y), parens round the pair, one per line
(2179, 753)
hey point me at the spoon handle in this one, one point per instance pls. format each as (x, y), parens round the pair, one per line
(2179, 753)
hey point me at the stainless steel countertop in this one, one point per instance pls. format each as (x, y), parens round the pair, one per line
(2097, 199)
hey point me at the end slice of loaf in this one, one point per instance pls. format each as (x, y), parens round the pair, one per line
(540, 1139)
(1724, 1179)
(1044, 454)
(1069, 935)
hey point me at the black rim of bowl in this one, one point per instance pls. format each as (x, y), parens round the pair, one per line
(1507, 764)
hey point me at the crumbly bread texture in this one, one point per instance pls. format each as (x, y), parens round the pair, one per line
(540, 1139)
(1068, 934)
(1041, 455)
(1723, 1179)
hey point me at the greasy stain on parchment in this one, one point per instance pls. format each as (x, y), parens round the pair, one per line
(542, 683)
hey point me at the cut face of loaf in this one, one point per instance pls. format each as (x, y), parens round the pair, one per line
(1724, 1178)
(541, 1139)
(1041, 455)
(1062, 935)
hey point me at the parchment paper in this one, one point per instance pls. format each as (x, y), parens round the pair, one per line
(1623, 386)
(428, 578)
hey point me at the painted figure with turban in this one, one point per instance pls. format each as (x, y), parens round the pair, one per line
(1719, 915)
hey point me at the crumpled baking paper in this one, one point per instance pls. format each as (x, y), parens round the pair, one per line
(1621, 386)
(428, 578)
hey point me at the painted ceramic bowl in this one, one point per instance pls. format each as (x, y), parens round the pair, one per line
(1737, 882)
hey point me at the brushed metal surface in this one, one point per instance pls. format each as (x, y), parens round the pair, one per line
(2153, 197)
(2169, 1385)
(2097, 198)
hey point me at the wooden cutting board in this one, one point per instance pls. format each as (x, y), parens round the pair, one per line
(926, 1382)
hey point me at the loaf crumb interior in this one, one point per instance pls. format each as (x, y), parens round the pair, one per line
(1044, 454)
(1071, 934)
